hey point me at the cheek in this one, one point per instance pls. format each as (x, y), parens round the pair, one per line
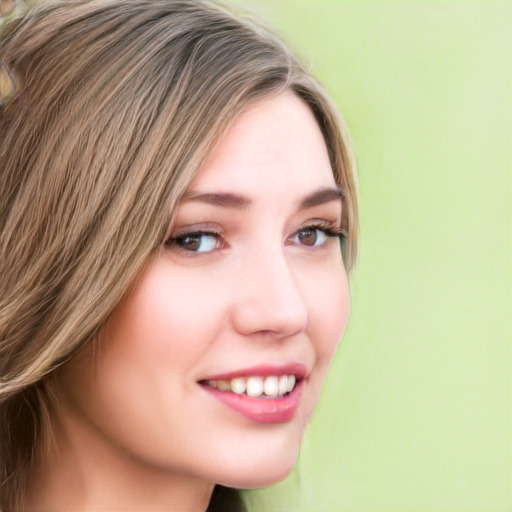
(165, 319)
(329, 307)
(145, 359)
(328, 301)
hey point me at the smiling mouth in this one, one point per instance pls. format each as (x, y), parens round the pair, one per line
(271, 386)
(269, 393)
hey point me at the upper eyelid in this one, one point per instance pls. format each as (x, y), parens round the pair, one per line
(193, 227)
(329, 230)
(322, 223)
(177, 229)
(207, 228)
(196, 231)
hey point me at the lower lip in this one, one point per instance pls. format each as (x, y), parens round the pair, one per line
(261, 410)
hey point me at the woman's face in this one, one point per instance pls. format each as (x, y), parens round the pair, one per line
(247, 300)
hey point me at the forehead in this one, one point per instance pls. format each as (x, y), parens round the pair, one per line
(276, 144)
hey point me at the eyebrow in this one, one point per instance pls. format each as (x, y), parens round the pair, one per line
(225, 199)
(321, 196)
(241, 202)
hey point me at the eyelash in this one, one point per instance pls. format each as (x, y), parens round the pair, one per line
(327, 229)
(177, 241)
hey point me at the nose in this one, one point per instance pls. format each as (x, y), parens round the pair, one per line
(268, 300)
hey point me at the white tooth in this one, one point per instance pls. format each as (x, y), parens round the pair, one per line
(223, 385)
(212, 383)
(254, 386)
(291, 382)
(238, 385)
(271, 386)
(283, 384)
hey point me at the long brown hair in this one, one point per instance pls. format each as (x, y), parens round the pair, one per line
(118, 106)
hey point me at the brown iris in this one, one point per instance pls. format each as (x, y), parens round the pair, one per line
(308, 237)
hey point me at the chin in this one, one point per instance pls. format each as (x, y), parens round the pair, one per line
(265, 469)
(256, 481)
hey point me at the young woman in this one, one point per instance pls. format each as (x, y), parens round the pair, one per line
(176, 195)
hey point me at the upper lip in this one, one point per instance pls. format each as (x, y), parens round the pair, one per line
(300, 371)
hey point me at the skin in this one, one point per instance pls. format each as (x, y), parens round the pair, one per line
(137, 430)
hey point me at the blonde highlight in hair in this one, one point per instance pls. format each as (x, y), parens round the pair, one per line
(120, 104)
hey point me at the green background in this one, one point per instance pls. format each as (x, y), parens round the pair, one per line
(416, 413)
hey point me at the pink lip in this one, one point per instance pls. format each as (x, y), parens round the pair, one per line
(298, 369)
(262, 410)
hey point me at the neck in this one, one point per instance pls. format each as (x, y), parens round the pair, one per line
(86, 472)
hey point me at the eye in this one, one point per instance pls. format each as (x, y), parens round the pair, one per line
(311, 237)
(195, 242)
(314, 236)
